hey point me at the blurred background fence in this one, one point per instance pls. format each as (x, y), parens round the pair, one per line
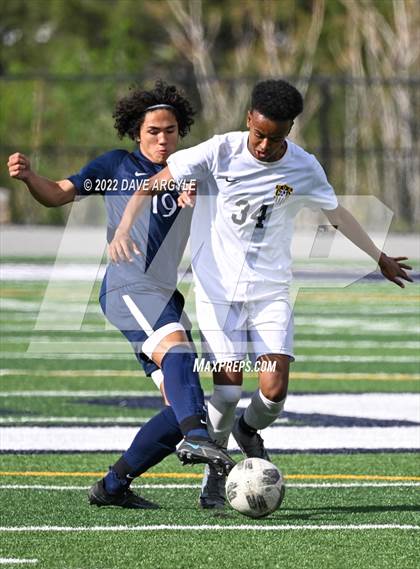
(63, 65)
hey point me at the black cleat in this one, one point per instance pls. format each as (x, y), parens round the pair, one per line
(213, 494)
(251, 444)
(202, 451)
(98, 496)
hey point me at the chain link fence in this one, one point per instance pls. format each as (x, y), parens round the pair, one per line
(363, 130)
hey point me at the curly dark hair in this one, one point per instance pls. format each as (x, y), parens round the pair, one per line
(277, 100)
(130, 111)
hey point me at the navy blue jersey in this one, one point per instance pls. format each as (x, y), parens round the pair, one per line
(161, 231)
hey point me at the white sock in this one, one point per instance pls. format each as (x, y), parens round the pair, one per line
(262, 412)
(221, 412)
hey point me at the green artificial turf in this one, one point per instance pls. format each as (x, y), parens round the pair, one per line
(373, 320)
(197, 547)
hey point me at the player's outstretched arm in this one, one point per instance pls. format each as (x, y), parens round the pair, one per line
(122, 246)
(392, 268)
(45, 191)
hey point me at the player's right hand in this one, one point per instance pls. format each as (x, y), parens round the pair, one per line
(187, 198)
(121, 248)
(19, 166)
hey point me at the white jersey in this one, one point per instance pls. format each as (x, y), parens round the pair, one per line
(243, 220)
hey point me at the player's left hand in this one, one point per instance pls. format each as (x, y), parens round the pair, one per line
(394, 270)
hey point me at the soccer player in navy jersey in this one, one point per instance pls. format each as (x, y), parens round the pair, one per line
(139, 295)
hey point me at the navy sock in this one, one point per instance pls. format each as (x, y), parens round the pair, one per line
(155, 440)
(183, 390)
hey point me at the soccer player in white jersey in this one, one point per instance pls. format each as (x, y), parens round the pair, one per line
(256, 182)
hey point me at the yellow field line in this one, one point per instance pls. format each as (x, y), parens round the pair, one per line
(96, 474)
(181, 475)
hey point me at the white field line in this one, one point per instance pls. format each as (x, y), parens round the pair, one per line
(43, 272)
(397, 406)
(28, 311)
(361, 327)
(340, 321)
(59, 316)
(88, 420)
(356, 344)
(290, 485)
(87, 329)
(118, 438)
(64, 323)
(98, 329)
(55, 352)
(363, 309)
(53, 307)
(303, 315)
(13, 561)
(326, 527)
(388, 406)
(72, 372)
(119, 347)
(12, 420)
(357, 358)
(79, 336)
(86, 269)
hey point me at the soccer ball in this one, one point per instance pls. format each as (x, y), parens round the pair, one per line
(255, 487)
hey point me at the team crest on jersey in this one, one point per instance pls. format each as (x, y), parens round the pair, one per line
(281, 193)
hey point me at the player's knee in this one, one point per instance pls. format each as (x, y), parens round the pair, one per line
(162, 342)
(275, 386)
(275, 395)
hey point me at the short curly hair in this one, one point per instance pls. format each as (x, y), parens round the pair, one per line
(130, 111)
(277, 100)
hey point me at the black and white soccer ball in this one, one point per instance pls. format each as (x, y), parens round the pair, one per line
(255, 487)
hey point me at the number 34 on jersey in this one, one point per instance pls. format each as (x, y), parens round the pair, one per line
(281, 193)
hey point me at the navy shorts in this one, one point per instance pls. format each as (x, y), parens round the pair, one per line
(145, 317)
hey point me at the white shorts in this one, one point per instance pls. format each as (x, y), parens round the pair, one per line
(232, 331)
